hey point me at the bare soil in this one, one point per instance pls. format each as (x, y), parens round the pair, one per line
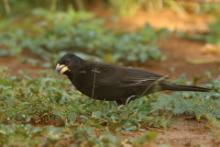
(183, 133)
(184, 56)
(168, 19)
(187, 133)
(15, 66)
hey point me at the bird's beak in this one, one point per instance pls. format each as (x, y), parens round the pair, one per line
(61, 68)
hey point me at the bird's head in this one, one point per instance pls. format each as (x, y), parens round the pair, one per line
(68, 63)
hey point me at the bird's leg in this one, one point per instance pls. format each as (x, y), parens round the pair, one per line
(120, 102)
(125, 101)
(129, 99)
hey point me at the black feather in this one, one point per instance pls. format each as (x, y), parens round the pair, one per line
(175, 87)
(115, 83)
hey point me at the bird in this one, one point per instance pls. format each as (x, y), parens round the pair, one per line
(115, 83)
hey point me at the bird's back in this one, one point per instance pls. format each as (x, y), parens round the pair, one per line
(102, 81)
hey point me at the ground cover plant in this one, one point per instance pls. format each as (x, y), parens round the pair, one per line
(211, 37)
(49, 109)
(126, 8)
(43, 34)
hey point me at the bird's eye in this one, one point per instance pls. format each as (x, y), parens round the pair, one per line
(67, 62)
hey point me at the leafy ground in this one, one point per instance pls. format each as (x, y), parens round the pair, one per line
(43, 109)
(83, 33)
(172, 130)
(35, 104)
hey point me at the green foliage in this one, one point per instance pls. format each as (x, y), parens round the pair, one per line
(212, 37)
(199, 105)
(149, 136)
(30, 106)
(14, 7)
(52, 101)
(210, 8)
(125, 8)
(130, 7)
(55, 99)
(48, 34)
(27, 135)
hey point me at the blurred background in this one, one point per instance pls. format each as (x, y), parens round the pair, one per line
(170, 37)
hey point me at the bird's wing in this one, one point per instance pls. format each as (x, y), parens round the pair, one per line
(137, 77)
(130, 82)
(123, 77)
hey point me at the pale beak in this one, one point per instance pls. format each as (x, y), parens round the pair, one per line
(61, 68)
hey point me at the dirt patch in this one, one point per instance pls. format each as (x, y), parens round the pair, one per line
(179, 54)
(184, 21)
(15, 66)
(166, 18)
(183, 133)
(187, 133)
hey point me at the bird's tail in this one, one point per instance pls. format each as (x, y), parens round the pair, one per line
(176, 87)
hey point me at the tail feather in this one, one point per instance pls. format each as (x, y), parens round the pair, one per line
(175, 87)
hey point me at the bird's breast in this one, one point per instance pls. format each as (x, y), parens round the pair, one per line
(83, 83)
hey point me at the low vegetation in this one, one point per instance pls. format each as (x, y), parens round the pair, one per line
(43, 33)
(211, 37)
(48, 108)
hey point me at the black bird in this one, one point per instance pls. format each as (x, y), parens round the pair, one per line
(114, 83)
